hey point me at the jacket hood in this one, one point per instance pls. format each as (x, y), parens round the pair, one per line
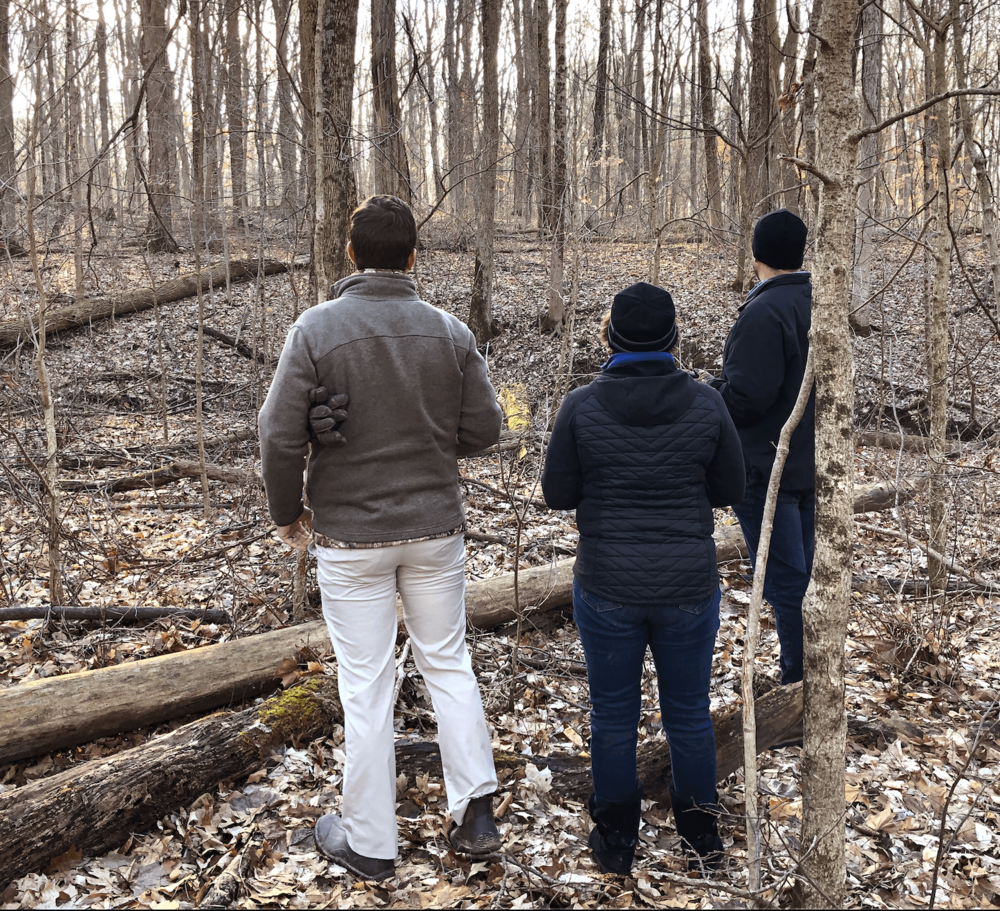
(643, 391)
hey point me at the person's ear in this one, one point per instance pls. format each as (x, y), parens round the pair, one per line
(350, 253)
(412, 259)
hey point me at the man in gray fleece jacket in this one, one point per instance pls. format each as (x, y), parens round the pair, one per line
(387, 515)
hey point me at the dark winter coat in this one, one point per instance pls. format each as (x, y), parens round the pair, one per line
(762, 368)
(643, 453)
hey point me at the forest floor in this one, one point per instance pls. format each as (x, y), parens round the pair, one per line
(922, 683)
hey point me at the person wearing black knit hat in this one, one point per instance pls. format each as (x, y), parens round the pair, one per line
(763, 363)
(643, 453)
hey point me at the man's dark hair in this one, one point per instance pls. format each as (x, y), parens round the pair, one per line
(383, 233)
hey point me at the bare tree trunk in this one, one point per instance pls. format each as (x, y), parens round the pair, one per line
(706, 89)
(937, 318)
(8, 164)
(871, 97)
(546, 191)
(809, 107)
(162, 176)
(234, 111)
(391, 170)
(600, 107)
(760, 120)
(53, 538)
(824, 609)
(287, 128)
(556, 311)
(104, 171)
(333, 91)
(974, 151)
(481, 308)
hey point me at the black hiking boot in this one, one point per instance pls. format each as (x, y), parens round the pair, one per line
(615, 832)
(478, 832)
(331, 839)
(698, 827)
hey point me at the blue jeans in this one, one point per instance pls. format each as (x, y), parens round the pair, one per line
(789, 563)
(682, 639)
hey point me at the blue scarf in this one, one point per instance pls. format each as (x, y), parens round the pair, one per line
(629, 357)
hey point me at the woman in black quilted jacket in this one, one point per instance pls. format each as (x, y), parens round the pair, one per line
(644, 453)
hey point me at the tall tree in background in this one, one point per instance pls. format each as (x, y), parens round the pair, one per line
(760, 121)
(706, 90)
(543, 120)
(333, 92)
(235, 110)
(600, 106)
(868, 165)
(556, 311)
(287, 128)
(481, 308)
(8, 189)
(975, 153)
(936, 328)
(161, 178)
(391, 170)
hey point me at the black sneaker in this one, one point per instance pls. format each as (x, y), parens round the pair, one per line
(478, 832)
(331, 839)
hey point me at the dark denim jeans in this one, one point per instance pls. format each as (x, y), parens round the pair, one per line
(789, 563)
(615, 638)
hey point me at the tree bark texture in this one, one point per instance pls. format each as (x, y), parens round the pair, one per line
(481, 307)
(89, 310)
(98, 805)
(336, 191)
(706, 90)
(824, 609)
(8, 164)
(974, 151)
(555, 313)
(546, 193)
(868, 166)
(235, 110)
(162, 173)
(937, 318)
(391, 170)
(287, 127)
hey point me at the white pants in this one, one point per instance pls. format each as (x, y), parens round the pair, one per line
(359, 605)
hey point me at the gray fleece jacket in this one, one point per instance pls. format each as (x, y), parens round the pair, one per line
(419, 394)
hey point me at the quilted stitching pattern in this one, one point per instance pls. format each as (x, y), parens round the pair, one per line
(645, 520)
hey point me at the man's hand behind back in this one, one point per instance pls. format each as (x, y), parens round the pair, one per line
(326, 416)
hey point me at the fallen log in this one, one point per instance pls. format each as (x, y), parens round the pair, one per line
(99, 804)
(59, 712)
(160, 477)
(89, 310)
(730, 546)
(241, 348)
(112, 614)
(909, 442)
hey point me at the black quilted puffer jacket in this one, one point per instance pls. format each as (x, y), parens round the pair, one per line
(643, 453)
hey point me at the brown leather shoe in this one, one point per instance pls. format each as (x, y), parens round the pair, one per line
(478, 832)
(331, 839)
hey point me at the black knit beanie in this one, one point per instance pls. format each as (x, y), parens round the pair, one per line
(642, 319)
(779, 240)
